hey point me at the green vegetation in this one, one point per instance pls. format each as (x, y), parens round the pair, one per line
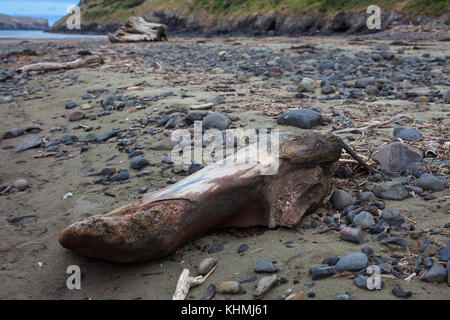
(119, 9)
(223, 7)
(434, 7)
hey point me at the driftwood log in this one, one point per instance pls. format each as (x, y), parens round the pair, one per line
(52, 66)
(137, 29)
(218, 196)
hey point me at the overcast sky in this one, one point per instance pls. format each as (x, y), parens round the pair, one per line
(50, 9)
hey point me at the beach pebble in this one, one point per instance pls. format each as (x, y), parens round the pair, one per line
(120, 176)
(396, 241)
(344, 296)
(242, 248)
(391, 191)
(352, 235)
(416, 169)
(13, 133)
(6, 99)
(307, 85)
(318, 273)
(340, 199)
(444, 253)
(97, 88)
(363, 219)
(21, 184)
(29, 143)
(215, 121)
(396, 156)
(331, 261)
(354, 261)
(367, 196)
(401, 292)
(76, 116)
(263, 265)
(389, 214)
(210, 292)
(206, 265)
(304, 118)
(437, 273)
(229, 287)
(407, 134)
(139, 163)
(428, 181)
(71, 105)
(264, 285)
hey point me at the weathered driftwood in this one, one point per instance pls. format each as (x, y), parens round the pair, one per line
(218, 196)
(52, 66)
(185, 282)
(137, 29)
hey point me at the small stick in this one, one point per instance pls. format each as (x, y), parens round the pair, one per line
(7, 189)
(410, 220)
(205, 106)
(356, 157)
(362, 129)
(407, 279)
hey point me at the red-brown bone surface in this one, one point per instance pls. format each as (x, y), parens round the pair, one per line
(218, 196)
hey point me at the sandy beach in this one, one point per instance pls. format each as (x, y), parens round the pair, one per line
(157, 79)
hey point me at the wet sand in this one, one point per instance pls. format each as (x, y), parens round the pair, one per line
(33, 264)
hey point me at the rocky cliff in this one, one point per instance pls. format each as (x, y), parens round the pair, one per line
(257, 17)
(22, 23)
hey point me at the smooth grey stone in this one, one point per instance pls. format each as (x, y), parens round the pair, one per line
(363, 219)
(13, 133)
(344, 296)
(367, 196)
(354, 261)
(216, 120)
(206, 265)
(428, 181)
(401, 292)
(416, 168)
(391, 191)
(397, 241)
(407, 134)
(389, 214)
(444, 253)
(120, 176)
(32, 142)
(304, 118)
(437, 273)
(340, 199)
(319, 273)
(263, 265)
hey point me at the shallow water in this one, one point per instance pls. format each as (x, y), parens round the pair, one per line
(40, 34)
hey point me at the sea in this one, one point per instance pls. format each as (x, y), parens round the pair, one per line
(40, 34)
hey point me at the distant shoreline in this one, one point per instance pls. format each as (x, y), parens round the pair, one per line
(44, 35)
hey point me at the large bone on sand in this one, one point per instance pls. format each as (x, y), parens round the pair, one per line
(218, 196)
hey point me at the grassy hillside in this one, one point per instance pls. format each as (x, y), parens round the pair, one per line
(117, 11)
(8, 23)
